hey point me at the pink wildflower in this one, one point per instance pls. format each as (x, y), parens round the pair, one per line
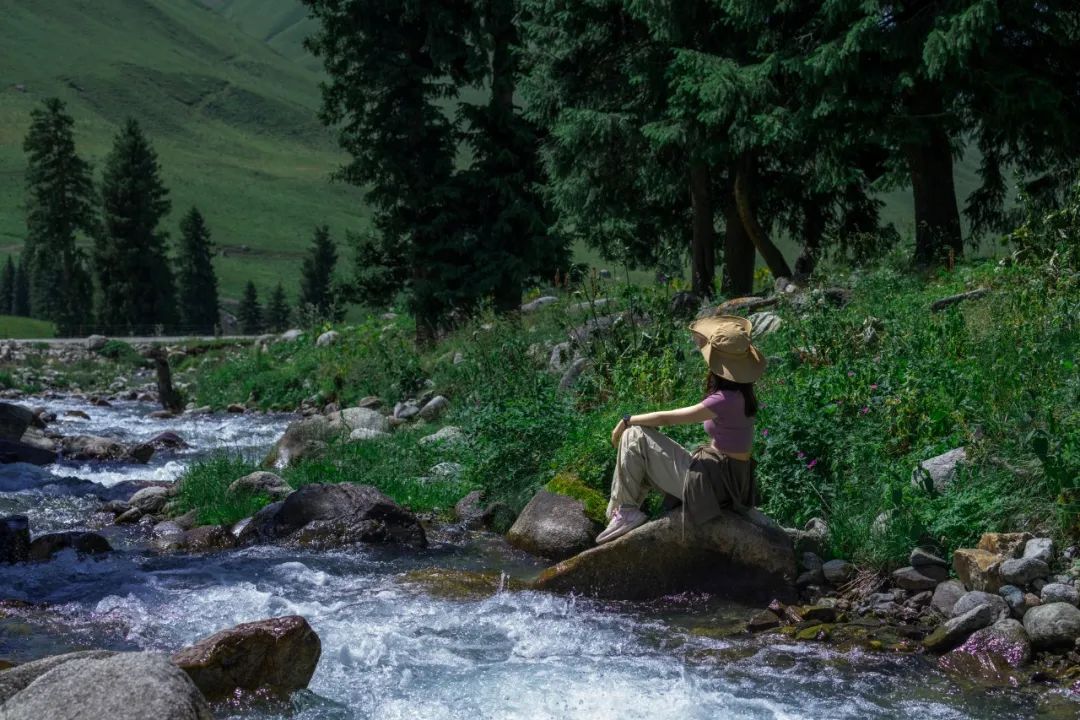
(800, 454)
(765, 432)
(874, 386)
(864, 410)
(810, 465)
(851, 373)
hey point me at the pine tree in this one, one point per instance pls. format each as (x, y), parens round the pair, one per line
(250, 313)
(20, 305)
(59, 207)
(317, 275)
(197, 291)
(277, 310)
(137, 292)
(7, 288)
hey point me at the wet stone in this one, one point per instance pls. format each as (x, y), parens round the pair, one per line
(764, 620)
(920, 558)
(955, 630)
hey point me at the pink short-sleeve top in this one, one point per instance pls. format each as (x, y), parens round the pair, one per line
(730, 429)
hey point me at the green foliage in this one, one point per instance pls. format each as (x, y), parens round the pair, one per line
(7, 287)
(136, 284)
(14, 326)
(197, 291)
(572, 486)
(59, 207)
(20, 304)
(397, 466)
(121, 352)
(317, 277)
(250, 312)
(278, 313)
(204, 488)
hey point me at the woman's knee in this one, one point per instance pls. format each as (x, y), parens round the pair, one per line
(632, 435)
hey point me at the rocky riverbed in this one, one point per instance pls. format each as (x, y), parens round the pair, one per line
(449, 630)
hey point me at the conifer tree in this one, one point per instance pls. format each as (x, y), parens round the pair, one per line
(20, 305)
(59, 208)
(136, 283)
(317, 275)
(197, 291)
(7, 287)
(277, 310)
(250, 313)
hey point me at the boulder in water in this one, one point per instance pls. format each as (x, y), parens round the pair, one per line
(738, 556)
(955, 630)
(14, 538)
(992, 655)
(168, 440)
(123, 686)
(278, 656)
(207, 538)
(84, 543)
(15, 679)
(14, 419)
(150, 500)
(553, 526)
(92, 447)
(14, 451)
(334, 515)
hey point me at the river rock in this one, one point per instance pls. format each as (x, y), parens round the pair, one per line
(335, 515)
(1053, 625)
(764, 620)
(737, 556)
(534, 305)
(978, 569)
(920, 558)
(259, 527)
(129, 517)
(991, 655)
(150, 500)
(45, 546)
(1059, 592)
(96, 342)
(14, 538)
(1040, 549)
(355, 418)
(14, 420)
(15, 679)
(363, 434)
(306, 438)
(1015, 599)
(263, 482)
(207, 538)
(469, 510)
(448, 435)
(122, 686)
(328, 338)
(939, 471)
(76, 414)
(811, 538)
(1008, 545)
(434, 408)
(955, 630)
(15, 451)
(917, 579)
(1021, 571)
(838, 572)
(553, 526)
(100, 449)
(168, 440)
(277, 656)
(945, 597)
(975, 598)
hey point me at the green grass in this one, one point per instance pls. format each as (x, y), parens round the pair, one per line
(20, 327)
(204, 488)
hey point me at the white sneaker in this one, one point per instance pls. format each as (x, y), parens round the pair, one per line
(623, 521)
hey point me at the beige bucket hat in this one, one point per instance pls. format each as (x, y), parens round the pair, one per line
(724, 341)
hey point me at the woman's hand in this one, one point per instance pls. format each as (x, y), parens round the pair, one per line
(616, 434)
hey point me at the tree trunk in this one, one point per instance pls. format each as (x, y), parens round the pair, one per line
(930, 162)
(702, 249)
(739, 254)
(813, 229)
(744, 187)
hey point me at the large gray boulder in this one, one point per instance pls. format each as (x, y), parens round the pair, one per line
(975, 598)
(738, 556)
(150, 499)
(1053, 625)
(1021, 571)
(306, 438)
(125, 686)
(955, 630)
(14, 538)
(276, 656)
(335, 515)
(991, 655)
(553, 526)
(15, 679)
(354, 418)
(945, 597)
(1060, 592)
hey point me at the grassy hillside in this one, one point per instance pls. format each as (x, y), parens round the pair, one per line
(281, 24)
(233, 120)
(20, 327)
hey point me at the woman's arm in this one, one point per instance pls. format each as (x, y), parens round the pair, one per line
(681, 416)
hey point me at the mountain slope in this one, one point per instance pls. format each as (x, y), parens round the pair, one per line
(234, 121)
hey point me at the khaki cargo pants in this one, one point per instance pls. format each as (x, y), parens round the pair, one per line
(647, 459)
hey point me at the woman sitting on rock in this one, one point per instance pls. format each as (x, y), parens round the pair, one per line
(717, 475)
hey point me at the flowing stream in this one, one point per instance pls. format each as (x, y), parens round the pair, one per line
(394, 648)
